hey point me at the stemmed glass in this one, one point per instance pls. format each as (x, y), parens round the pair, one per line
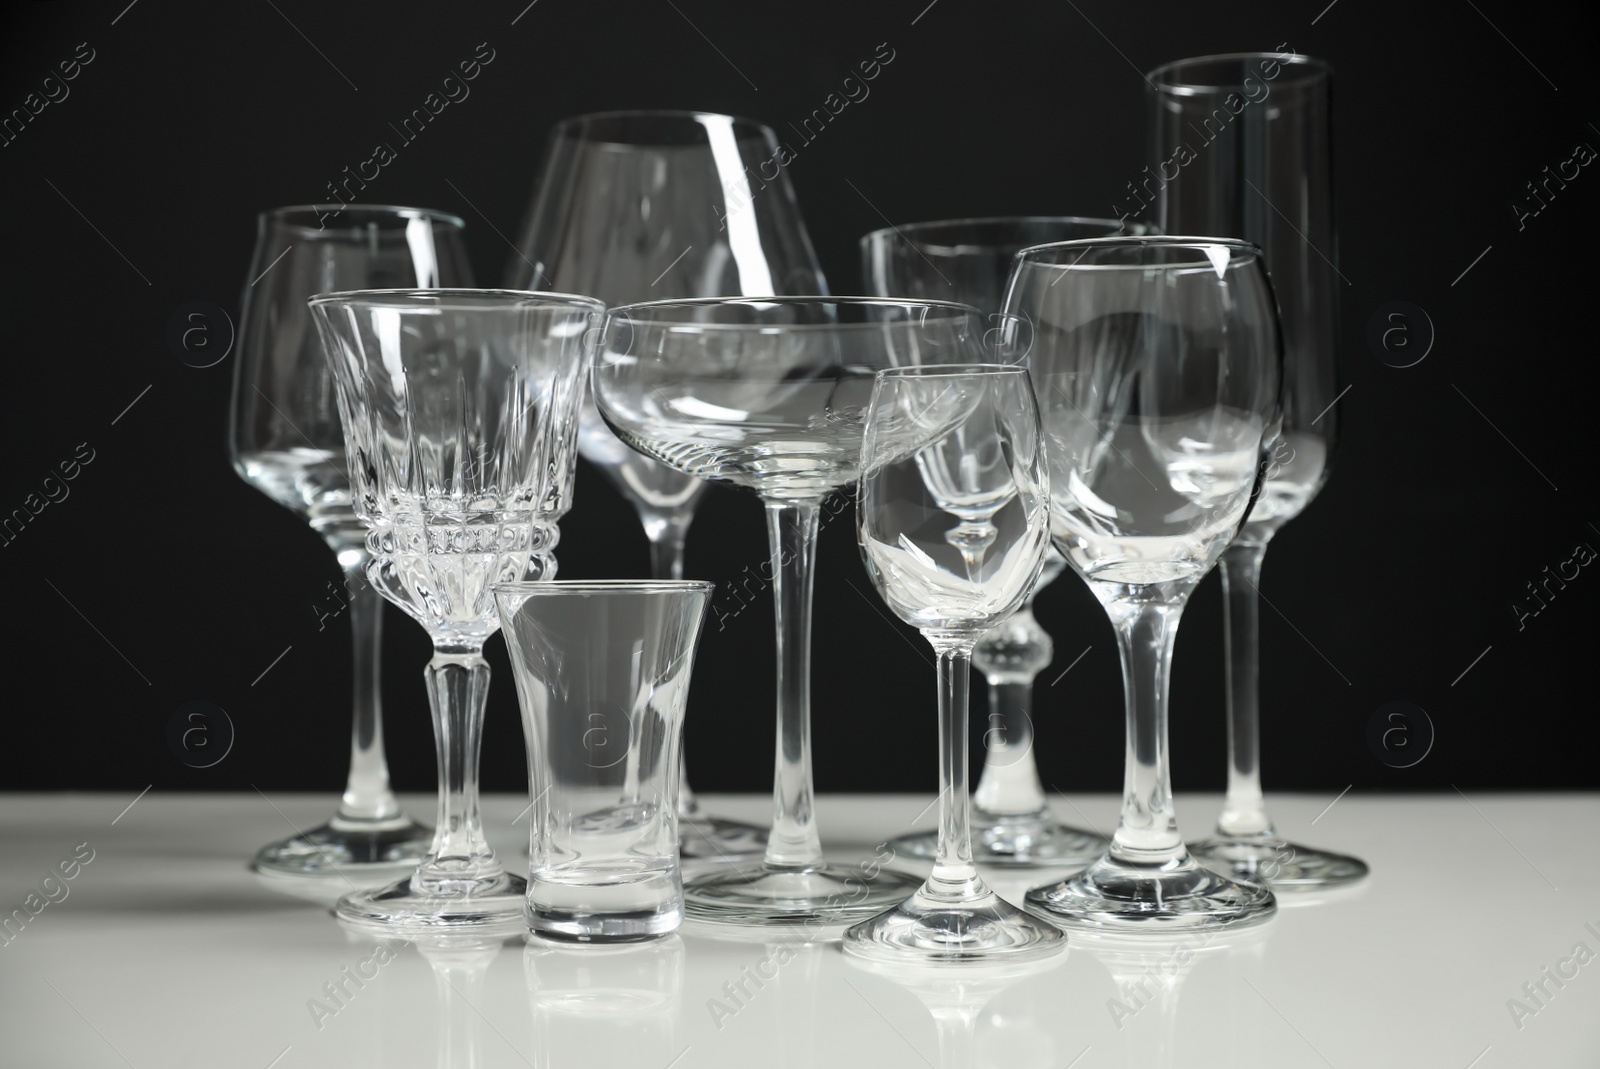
(459, 411)
(659, 205)
(953, 521)
(770, 394)
(1157, 363)
(285, 440)
(969, 261)
(1267, 177)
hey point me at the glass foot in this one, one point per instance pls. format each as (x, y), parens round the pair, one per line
(712, 839)
(935, 929)
(340, 845)
(996, 841)
(494, 903)
(1283, 865)
(1179, 895)
(769, 895)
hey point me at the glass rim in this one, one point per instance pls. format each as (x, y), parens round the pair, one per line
(628, 310)
(935, 371)
(1316, 70)
(979, 220)
(1034, 254)
(399, 211)
(563, 127)
(465, 294)
(602, 586)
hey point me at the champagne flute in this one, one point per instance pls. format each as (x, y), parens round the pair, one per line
(658, 205)
(1157, 362)
(285, 440)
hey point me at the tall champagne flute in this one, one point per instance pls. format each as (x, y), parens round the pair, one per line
(968, 261)
(659, 205)
(459, 409)
(770, 394)
(285, 440)
(1157, 363)
(954, 525)
(1266, 176)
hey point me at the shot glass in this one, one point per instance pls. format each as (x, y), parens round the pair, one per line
(602, 671)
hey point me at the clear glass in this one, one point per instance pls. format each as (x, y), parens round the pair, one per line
(770, 394)
(659, 205)
(460, 414)
(617, 1005)
(1157, 362)
(285, 440)
(969, 261)
(953, 521)
(1264, 173)
(602, 670)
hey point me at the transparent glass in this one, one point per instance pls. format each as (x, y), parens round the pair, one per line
(1157, 362)
(770, 394)
(1263, 173)
(460, 413)
(658, 205)
(617, 1005)
(969, 261)
(285, 440)
(953, 521)
(602, 671)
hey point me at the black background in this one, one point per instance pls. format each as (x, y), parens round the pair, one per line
(164, 579)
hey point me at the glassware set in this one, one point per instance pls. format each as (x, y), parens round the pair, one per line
(1021, 396)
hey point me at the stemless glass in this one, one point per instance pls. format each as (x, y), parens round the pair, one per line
(459, 411)
(658, 205)
(285, 440)
(1266, 176)
(953, 521)
(769, 394)
(1157, 363)
(602, 670)
(968, 261)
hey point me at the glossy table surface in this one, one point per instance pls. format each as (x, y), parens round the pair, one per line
(164, 950)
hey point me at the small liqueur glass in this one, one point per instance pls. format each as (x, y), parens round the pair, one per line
(953, 521)
(460, 412)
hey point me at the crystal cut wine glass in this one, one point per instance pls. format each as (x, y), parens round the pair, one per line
(285, 440)
(969, 261)
(769, 394)
(460, 413)
(953, 521)
(658, 205)
(1157, 363)
(1266, 177)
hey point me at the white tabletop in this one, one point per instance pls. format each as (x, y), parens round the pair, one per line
(167, 952)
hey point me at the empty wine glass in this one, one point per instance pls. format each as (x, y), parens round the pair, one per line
(770, 394)
(953, 521)
(1157, 363)
(1266, 176)
(459, 411)
(969, 261)
(285, 440)
(657, 205)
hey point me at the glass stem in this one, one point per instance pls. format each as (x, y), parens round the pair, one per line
(1244, 813)
(367, 796)
(792, 534)
(1009, 783)
(954, 875)
(458, 686)
(667, 533)
(1146, 624)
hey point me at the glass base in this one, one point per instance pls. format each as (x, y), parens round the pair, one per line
(1283, 865)
(1180, 895)
(385, 847)
(571, 926)
(934, 929)
(1022, 843)
(713, 839)
(817, 896)
(491, 904)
